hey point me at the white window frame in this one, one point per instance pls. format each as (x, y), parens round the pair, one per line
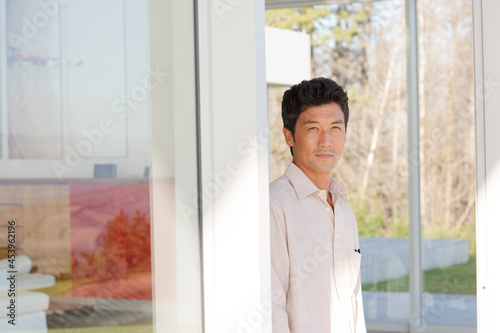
(487, 104)
(3, 79)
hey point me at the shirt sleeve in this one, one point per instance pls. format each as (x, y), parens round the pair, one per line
(360, 315)
(280, 270)
(358, 294)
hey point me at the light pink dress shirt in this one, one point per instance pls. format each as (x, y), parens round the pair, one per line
(316, 283)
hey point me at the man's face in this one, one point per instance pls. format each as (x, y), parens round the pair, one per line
(319, 139)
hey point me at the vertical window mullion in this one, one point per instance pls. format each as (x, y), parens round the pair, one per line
(3, 81)
(63, 54)
(415, 238)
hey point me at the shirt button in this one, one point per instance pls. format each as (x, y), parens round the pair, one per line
(337, 235)
(327, 209)
(338, 263)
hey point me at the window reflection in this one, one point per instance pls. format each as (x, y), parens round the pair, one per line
(76, 159)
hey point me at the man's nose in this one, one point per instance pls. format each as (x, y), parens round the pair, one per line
(326, 139)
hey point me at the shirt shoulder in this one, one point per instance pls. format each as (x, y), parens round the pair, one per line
(281, 192)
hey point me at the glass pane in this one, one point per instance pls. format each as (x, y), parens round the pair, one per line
(361, 46)
(447, 163)
(86, 91)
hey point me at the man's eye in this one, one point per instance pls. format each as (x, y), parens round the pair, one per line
(313, 128)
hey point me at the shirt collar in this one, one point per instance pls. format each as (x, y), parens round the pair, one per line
(304, 186)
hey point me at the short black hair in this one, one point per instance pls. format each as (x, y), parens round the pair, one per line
(315, 92)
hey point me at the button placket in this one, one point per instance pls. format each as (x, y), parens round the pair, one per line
(322, 198)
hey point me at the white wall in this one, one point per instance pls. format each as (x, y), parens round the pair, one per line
(288, 56)
(235, 169)
(298, 3)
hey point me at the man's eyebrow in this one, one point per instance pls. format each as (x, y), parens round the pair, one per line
(341, 121)
(310, 122)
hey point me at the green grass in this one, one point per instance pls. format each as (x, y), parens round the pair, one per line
(459, 279)
(60, 288)
(64, 286)
(117, 329)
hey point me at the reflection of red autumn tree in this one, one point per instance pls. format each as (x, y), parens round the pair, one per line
(125, 249)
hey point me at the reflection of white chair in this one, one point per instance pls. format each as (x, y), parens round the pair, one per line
(30, 306)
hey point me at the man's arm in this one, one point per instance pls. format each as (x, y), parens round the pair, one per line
(280, 270)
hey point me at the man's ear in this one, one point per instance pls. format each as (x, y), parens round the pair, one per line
(288, 137)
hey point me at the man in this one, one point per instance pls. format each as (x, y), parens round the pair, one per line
(315, 255)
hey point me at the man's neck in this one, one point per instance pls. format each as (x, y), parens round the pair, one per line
(321, 180)
(322, 183)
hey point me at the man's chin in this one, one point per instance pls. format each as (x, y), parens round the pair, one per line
(325, 168)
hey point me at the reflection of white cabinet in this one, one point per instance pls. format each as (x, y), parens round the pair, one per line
(83, 63)
(33, 81)
(94, 39)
